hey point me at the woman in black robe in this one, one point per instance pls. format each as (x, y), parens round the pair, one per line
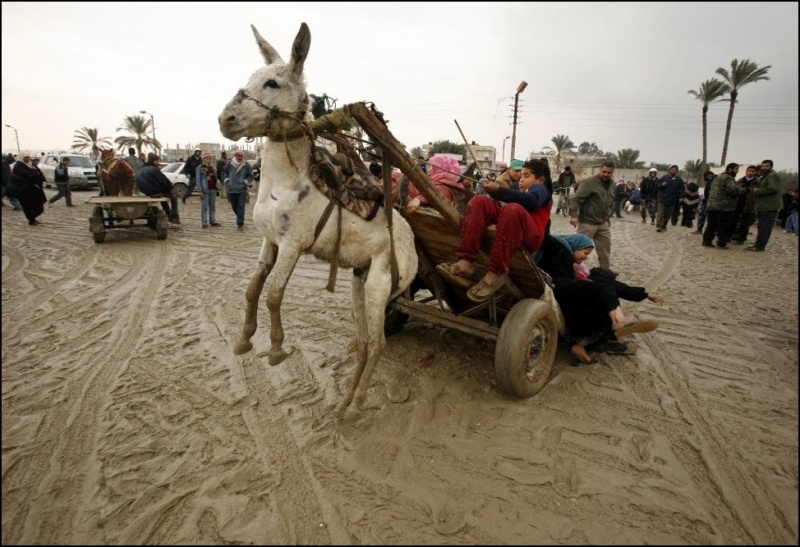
(27, 185)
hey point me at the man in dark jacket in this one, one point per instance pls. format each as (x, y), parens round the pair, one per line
(720, 205)
(61, 176)
(768, 200)
(744, 215)
(152, 182)
(670, 190)
(190, 170)
(648, 195)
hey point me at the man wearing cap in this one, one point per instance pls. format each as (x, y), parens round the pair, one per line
(649, 192)
(510, 177)
(190, 170)
(590, 211)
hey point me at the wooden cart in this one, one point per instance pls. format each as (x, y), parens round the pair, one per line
(524, 327)
(121, 211)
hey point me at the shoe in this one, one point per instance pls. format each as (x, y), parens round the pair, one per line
(646, 325)
(753, 248)
(34, 223)
(617, 348)
(644, 221)
(481, 291)
(725, 247)
(205, 225)
(737, 242)
(658, 229)
(652, 222)
(70, 205)
(240, 228)
(707, 244)
(216, 224)
(454, 275)
(698, 231)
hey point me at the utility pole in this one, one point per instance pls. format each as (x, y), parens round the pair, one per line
(16, 136)
(520, 88)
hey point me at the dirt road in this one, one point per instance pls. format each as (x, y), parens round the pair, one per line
(127, 419)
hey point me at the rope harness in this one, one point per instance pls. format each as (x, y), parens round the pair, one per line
(337, 175)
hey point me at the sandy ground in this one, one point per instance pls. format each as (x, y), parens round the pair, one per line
(127, 419)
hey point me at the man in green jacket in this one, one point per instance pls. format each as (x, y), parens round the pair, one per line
(590, 211)
(768, 202)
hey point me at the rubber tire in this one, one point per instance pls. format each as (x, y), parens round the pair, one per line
(179, 189)
(526, 348)
(97, 213)
(162, 225)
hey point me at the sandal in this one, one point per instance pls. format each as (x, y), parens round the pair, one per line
(454, 275)
(578, 362)
(481, 291)
(646, 325)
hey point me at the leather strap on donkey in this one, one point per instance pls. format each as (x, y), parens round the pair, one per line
(345, 184)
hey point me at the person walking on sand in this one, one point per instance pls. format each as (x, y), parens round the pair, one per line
(769, 200)
(590, 211)
(670, 190)
(649, 195)
(61, 176)
(206, 178)
(27, 185)
(724, 195)
(238, 173)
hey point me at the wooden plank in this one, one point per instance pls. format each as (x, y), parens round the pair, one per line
(117, 200)
(431, 314)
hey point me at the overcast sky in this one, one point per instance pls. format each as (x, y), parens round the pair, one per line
(616, 74)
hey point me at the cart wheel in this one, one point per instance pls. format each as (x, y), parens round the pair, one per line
(179, 190)
(526, 347)
(162, 225)
(96, 225)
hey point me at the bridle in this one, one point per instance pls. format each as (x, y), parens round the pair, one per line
(275, 113)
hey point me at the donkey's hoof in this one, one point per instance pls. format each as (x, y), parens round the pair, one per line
(346, 411)
(242, 347)
(278, 356)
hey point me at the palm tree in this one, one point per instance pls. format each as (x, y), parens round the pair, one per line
(139, 128)
(628, 158)
(589, 149)
(710, 91)
(87, 137)
(740, 75)
(695, 168)
(562, 144)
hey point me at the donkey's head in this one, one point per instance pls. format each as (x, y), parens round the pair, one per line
(277, 87)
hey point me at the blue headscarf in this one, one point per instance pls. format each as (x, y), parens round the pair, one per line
(574, 242)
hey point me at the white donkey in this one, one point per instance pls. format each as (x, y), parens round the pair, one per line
(289, 207)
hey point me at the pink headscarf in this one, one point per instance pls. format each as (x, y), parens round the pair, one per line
(444, 172)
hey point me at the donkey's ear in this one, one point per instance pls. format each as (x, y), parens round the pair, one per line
(267, 51)
(300, 49)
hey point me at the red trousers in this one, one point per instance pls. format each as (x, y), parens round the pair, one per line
(515, 226)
